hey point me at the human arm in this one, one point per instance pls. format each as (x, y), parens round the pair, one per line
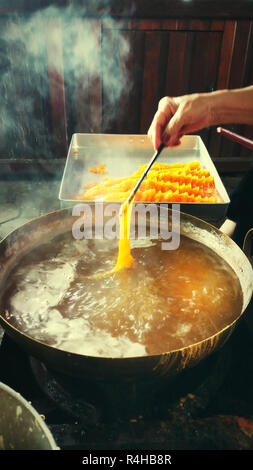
(185, 114)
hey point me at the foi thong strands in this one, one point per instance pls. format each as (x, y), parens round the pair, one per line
(125, 259)
(179, 182)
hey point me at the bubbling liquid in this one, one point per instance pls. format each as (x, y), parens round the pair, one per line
(166, 301)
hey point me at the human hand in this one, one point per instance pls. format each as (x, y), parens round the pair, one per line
(178, 116)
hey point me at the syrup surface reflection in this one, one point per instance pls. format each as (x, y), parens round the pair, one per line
(167, 300)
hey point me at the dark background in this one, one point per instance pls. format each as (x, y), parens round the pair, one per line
(102, 66)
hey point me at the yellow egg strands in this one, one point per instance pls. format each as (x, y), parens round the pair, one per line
(125, 259)
(179, 182)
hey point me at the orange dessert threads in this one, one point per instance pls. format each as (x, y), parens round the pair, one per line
(179, 182)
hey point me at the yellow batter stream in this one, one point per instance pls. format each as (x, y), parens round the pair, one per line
(125, 259)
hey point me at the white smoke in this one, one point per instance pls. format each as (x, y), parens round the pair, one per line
(72, 43)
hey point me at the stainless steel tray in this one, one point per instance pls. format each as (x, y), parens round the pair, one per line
(122, 155)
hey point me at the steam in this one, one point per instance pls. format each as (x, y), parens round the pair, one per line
(70, 45)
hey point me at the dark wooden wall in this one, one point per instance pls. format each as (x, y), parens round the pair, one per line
(137, 53)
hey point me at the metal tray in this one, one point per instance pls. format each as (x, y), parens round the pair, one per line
(122, 155)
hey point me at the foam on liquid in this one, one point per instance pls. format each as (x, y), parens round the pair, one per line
(167, 300)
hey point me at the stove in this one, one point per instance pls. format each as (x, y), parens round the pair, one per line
(208, 407)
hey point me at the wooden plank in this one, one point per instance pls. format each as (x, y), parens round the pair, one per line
(150, 85)
(171, 24)
(109, 66)
(25, 90)
(147, 24)
(178, 24)
(245, 70)
(238, 66)
(163, 64)
(83, 87)
(10, 113)
(227, 50)
(150, 24)
(205, 61)
(132, 67)
(81, 95)
(139, 8)
(217, 25)
(237, 79)
(204, 67)
(190, 53)
(247, 130)
(194, 24)
(56, 86)
(96, 83)
(122, 70)
(178, 9)
(226, 54)
(179, 63)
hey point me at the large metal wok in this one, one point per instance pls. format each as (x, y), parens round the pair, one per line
(44, 229)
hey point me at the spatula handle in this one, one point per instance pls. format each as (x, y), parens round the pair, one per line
(144, 174)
